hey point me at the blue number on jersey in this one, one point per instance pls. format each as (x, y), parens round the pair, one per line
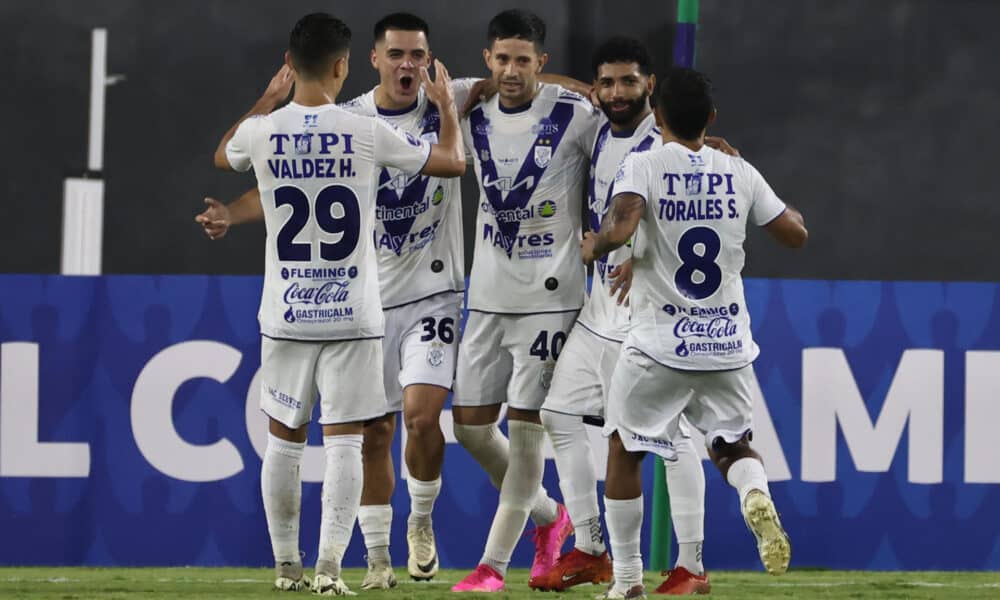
(348, 224)
(703, 263)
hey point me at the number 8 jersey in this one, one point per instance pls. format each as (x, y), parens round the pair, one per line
(688, 308)
(316, 170)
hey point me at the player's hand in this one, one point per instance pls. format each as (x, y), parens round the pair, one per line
(621, 281)
(280, 86)
(438, 90)
(215, 220)
(721, 145)
(587, 247)
(481, 91)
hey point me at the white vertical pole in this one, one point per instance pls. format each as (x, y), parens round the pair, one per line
(98, 83)
(83, 198)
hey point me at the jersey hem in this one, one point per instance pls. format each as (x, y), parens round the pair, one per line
(525, 314)
(427, 297)
(320, 341)
(600, 335)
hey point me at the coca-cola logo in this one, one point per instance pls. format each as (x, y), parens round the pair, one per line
(714, 329)
(330, 292)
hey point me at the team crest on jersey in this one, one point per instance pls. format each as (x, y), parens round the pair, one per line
(545, 127)
(546, 209)
(543, 155)
(483, 128)
(545, 379)
(438, 196)
(435, 354)
(310, 121)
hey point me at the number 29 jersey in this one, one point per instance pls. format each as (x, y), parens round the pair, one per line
(688, 307)
(531, 165)
(316, 171)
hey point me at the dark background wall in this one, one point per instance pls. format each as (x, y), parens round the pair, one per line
(878, 120)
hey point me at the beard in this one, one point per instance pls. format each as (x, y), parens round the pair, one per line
(632, 110)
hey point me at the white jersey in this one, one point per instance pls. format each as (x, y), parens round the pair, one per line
(531, 166)
(418, 229)
(601, 313)
(688, 308)
(316, 169)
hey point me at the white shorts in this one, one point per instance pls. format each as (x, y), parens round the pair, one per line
(582, 377)
(648, 402)
(509, 358)
(421, 345)
(347, 376)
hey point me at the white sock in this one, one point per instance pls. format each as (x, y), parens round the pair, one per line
(576, 478)
(487, 444)
(342, 483)
(281, 487)
(686, 485)
(423, 495)
(747, 474)
(520, 485)
(624, 528)
(376, 521)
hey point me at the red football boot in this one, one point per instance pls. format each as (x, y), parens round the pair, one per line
(573, 568)
(681, 582)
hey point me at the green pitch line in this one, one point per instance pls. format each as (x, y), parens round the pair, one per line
(62, 583)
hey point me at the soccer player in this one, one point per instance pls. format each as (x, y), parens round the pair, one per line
(689, 349)
(317, 166)
(531, 146)
(419, 245)
(623, 83)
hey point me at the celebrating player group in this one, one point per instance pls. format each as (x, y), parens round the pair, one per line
(364, 282)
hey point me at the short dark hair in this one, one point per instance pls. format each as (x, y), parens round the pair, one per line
(519, 24)
(621, 49)
(315, 41)
(402, 21)
(684, 99)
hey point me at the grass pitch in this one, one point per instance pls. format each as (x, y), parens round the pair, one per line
(72, 583)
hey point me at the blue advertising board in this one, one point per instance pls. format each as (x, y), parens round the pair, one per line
(130, 435)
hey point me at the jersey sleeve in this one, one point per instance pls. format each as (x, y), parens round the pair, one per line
(765, 206)
(461, 88)
(239, 147)
(632, 177)
(398, 149)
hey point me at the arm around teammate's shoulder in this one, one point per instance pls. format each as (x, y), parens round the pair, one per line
(447, 158)
(789, 228)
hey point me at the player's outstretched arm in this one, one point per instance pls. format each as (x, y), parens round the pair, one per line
(276, 92)
(573, 85)
(789, 228)
(217, 218)
(447, 157)
(617, 228)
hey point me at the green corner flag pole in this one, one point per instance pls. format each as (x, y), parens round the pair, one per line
(659, 551)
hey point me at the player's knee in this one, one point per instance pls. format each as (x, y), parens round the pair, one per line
(422, 424)
(473, 436)
(378, 437)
